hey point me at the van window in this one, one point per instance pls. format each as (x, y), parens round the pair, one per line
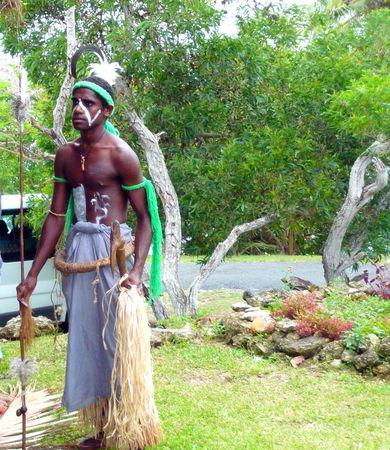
(10, 238)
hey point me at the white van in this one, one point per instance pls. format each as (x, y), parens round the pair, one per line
(47, 298)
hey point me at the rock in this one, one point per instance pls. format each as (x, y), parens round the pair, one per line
(239, 307)
(209, 319)
(306, 347)
(332, 350)
(362, 346)
(286, 325)
(264, 323)
(278, 336)
(240, 340)
(373, 340)
(297, 360)
(42, 326)
(233, 325)
(299, 284)
(252, 314)
(382, 371)
(384, 347)
(366, 360)
(261, 347)
(348, 356)
(161, 335)
(264, 299)
(360, 287)
(336, 363)
(293, 336)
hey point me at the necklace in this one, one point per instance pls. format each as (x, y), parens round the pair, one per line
(83, 157)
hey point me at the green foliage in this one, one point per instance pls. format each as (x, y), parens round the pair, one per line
(270, 120)
(370, 315)
(364, 108)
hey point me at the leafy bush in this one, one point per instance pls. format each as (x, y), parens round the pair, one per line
(297, 305)
(333, 327)
(304, 308)
(304, 329)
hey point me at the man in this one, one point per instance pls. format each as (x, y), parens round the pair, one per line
(96, 167)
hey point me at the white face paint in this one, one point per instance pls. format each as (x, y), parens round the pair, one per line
(86, 112)
(101, 206)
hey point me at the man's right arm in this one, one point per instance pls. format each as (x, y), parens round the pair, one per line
(51, 231)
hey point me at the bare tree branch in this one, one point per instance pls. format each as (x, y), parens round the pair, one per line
(220, 251)
(48, 131)
(62, 100)
(36, 157)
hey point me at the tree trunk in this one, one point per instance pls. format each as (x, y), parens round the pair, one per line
(160, 177)
(335, 260)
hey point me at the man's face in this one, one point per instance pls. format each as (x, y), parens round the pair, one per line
(87, 109)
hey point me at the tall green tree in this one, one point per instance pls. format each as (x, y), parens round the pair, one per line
(247, 120)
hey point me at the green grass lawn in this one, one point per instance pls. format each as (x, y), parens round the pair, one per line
(211, 396)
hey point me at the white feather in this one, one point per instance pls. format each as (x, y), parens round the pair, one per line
(105, 70)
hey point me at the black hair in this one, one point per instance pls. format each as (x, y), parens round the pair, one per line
(103, 84)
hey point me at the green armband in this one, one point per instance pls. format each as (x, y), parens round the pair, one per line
(155, 287)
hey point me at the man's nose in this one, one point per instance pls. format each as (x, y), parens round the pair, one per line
(77, 106)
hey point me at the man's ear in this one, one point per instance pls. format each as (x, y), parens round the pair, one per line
(107, 110)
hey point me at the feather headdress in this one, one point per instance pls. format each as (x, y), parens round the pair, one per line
(103, 69)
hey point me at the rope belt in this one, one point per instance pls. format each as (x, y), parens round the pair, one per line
(88, 266)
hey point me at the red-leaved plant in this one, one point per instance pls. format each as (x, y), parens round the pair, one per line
(333, 327)
(297, 305)
(311, 319)
(380, 284)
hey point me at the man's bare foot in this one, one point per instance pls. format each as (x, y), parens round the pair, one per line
(96, 443)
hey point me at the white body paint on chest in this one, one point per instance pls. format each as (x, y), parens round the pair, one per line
(87, 114)
(101, 204)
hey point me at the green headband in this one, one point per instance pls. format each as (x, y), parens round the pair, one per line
(104, 94)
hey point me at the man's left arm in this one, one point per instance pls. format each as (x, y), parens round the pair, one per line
(130, 175)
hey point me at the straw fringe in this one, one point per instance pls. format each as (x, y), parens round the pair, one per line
(132, 420)
(95, 415)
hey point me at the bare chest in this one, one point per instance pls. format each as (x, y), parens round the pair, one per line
(93, 169)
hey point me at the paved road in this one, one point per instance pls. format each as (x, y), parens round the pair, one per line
(254, 275)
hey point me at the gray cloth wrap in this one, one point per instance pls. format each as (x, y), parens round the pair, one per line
(89, 365)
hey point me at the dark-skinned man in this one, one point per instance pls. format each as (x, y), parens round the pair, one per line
(100, 170)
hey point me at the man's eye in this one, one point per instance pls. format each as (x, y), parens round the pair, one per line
(88, 103)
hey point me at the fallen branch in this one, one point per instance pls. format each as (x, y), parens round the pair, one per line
(220, 251)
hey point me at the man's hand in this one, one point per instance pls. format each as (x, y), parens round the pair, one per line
(133, 279)
(25, 289)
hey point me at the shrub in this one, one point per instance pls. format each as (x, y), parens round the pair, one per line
(333, 327)
(311, 319)
(298, 305)
(304, 329)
